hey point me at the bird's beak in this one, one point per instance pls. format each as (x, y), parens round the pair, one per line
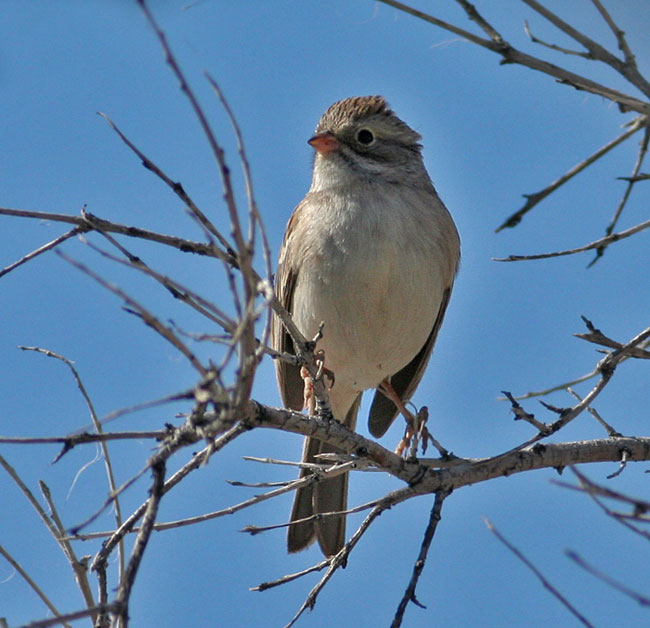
(324, 142)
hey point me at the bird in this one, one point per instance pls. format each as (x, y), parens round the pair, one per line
(371, 253)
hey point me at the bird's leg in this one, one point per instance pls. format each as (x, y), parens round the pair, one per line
(309, 399)
(387, 390)
(416, 429)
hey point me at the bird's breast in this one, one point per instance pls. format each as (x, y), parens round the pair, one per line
(370, 273)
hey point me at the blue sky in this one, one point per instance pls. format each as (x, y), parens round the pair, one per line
(490, 134)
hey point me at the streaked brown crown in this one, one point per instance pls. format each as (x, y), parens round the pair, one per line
(367, 109)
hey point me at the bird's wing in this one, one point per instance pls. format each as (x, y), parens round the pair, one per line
(383, 411)
(288, 375)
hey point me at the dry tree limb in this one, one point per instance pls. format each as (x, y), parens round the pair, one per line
(638, 350)
(496, 43)
(76, 439)
(409, 594)
(533, 199)
(639, 598)
(83, 582)
(58, 617)
(340, 559)
(200, 304)
(597, 337)
(182, 437)
(128, 578)
(88, 221)
(598, 492)
(176, 187)
(290, 577)
(55, 621)
(149, 319)
(611, 432)
(597, 244)
(566, 51)
(594, 52)
(540, 576)
(42, 249)
(79, 567)
(631, 181)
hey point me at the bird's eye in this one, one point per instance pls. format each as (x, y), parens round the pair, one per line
(365, 137)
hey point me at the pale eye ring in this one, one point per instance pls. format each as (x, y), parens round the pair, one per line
(365, 137)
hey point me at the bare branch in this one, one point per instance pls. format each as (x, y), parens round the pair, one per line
(409, 594)
(534, 199)
(340, 559)
(615, 584)
(151, 320)
(618, 33)
(88, 221)
(175, 186)
(58, 617)
(611, 432)
(566, 51)
(128, 579)
(290, 577)
(598, 244)
(42, 249)
(83, 582)
(597, 337)
(76, 439)
(597, 491)
(88, 612)
(243, 254)
(79, 567)
(183, 436)
(512, 55)
(643, 149)
(545, 582)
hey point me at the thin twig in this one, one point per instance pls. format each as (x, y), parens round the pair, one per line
(409, 594)
(289, 577)
(42, 249)
(643, 149)
(79, 568)
(618, 33)
(182, 244)
(176, 187)
(630, 351)
(102, 443)
(148, 520)
(340, 559)
(14, 563)
(596, 491)
(243, 255)
(597, 337)
(316, 517)
(625, 68)
(88, 612)
(533, 199)
(608, 580)
(179, 291)
(597, 244)
(566, 51)
(512, 55)
(611, 432)
(196, 461)
(545, 582)
(85, 437)
(151, 320)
